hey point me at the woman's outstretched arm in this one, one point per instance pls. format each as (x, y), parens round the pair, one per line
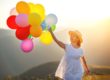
(61, 44)
(85, 65)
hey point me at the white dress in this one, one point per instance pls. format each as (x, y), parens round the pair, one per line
(70, 67)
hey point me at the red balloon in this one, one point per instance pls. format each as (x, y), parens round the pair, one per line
(11, 22)
(23, 33)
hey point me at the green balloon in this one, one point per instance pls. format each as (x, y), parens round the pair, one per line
(53, 27)
(29, 36)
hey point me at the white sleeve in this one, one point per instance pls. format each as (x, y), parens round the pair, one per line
(82, 53)
(66, 47)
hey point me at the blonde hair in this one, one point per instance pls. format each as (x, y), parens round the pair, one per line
(79, 35)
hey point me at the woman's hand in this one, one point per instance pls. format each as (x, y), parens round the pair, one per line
(85, 65)
(87, 71)
(50, 30)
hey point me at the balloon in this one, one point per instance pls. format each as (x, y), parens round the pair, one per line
(46, 37)
(23, 33)
(51, 19)
(27, 45)
(39, 9)
(22, 20)
(32, 7)
(29, 36)
(36, 31)
(53, 27)
(43, 25)
(11, 22)
(34, 19)
(23, 7)
(13, 11)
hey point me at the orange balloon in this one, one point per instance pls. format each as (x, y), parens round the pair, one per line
(36, 31)
(22, 7)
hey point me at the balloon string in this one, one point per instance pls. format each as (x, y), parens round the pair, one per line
(46, 28)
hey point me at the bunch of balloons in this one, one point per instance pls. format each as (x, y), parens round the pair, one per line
(29, 20)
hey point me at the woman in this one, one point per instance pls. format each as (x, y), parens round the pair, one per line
(70, 67)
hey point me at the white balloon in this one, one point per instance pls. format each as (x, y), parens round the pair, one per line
(13, 11)
(51, 19)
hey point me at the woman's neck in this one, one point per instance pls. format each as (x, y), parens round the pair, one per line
(75, 45)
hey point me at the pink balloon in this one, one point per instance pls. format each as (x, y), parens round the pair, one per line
(13, 11)
(27, 45)
(22, 20)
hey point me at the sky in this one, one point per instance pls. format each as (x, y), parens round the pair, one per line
(69, 12)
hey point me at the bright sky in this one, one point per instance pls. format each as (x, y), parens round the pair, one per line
(69, 12)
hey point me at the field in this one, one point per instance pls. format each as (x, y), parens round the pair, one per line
(41, 73)
(86, 77)
(97, 77)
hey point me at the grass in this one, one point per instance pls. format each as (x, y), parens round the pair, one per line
(96, 77)
(85, 77)
(97, 73)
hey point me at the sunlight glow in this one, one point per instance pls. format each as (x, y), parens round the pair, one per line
(68, 11)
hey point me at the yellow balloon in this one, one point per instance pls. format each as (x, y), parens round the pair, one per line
(46, 37)
(32, 7)
(42, 15)
(39, 9)
(34, 19)
(36, 31)
(22, 7)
